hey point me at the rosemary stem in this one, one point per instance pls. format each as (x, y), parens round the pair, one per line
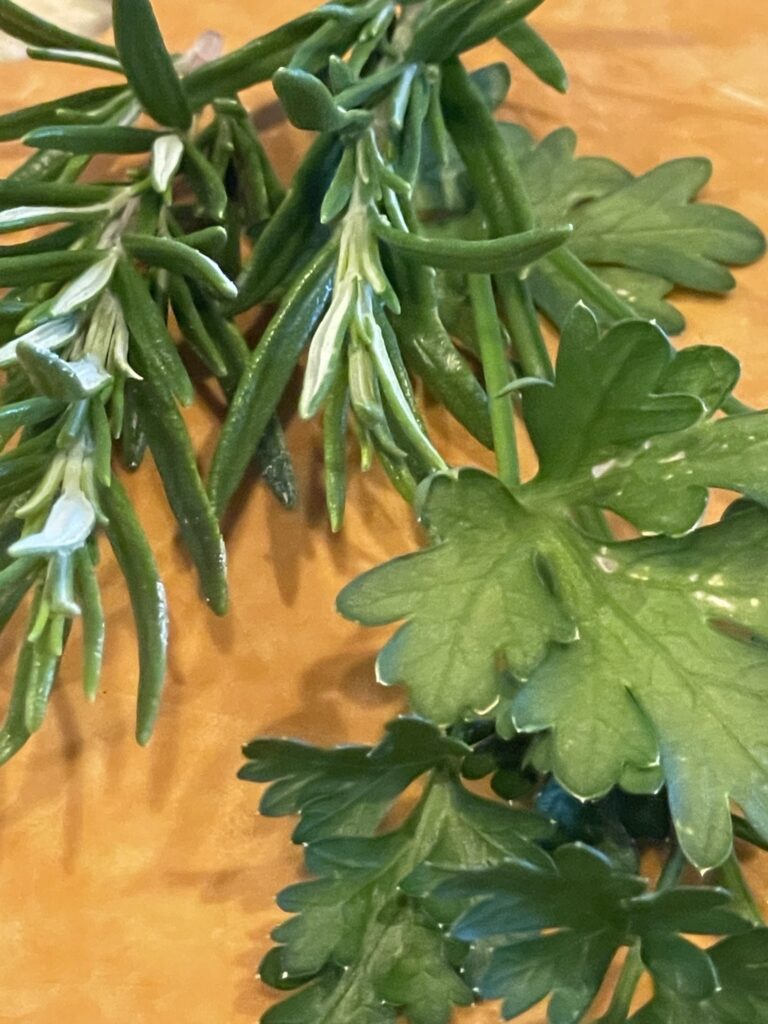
(497, 373)
(743, 897)
(499, 185)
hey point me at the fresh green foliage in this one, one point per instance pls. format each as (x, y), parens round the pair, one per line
(613, 645)
(742, 994)
(359, 947)
(620, 683)
(347, 790)
(466, 599)
(639, 236)
(90, 360)
(547, 938)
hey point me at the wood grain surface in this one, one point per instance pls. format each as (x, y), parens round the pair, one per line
(136, 886)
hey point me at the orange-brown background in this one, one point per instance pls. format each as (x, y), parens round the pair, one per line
(137, 885)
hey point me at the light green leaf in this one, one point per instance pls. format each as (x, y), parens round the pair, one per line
(86, 287)
(167, 153)
(663, 486)
(653, 224)
(21, 217)
(462, 601)
(620, 649)
(57, 378)
(55, 334)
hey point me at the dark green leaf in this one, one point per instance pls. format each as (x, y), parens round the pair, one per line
(604, 400)
(493, 82)
(269, 370)
(16, 123)
(741, 964)
(150, 610)
(206, 182)
(512, 252)
(528, 46)
(80, 58)
(174, 457)
(93, 622)
(148, 65)
(52, 193)
(29, 28)
(346, 790)
(293, 232)
(150, 334)
(179, 258)
(679, 965)
(354, 914)
(556, 926)
(87, 139)
(309, 104)
(23, 271)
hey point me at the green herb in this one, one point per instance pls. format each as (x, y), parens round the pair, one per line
(610, 692)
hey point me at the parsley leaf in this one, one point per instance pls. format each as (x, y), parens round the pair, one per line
(474, 594)
(640, 236)
(605, 398)
(557, 182)
(624, 427)
(645, 652)
(653, 224)
(741, 965)
(556, 925)
(345, 790)
(364, 948)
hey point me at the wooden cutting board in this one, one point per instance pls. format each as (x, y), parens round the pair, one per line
(137, 885)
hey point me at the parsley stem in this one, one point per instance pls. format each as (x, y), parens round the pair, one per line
(734, 880)
(632, 971)
(497, 373)
(521, 318)
(747, 833)
(593, 291)
(733, 407)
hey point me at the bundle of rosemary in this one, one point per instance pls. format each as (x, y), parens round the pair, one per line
(610, 692)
